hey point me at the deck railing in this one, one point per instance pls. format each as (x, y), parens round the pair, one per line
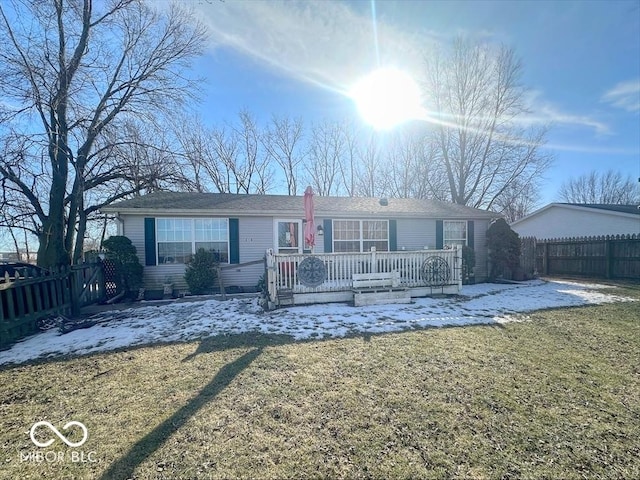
(282, 270)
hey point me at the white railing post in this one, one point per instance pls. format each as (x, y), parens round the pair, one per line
(374, 263)
(282, 274)
(272, 288)
(458, 262)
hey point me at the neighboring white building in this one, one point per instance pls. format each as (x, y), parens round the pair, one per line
(30, 257)
(562, 220)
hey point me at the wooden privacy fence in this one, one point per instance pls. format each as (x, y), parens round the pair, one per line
(423, 272)
(611, 256)
(25, 300)
(528, 257)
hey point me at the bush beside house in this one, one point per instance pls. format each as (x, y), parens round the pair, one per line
(504, 251)
(128, 269)
(201, 272)
(468, 264)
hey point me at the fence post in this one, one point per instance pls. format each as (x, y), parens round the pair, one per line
(102, 287)
(545, 258)
(221, 283)
(74, 276)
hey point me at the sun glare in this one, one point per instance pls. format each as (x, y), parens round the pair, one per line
(387, 97)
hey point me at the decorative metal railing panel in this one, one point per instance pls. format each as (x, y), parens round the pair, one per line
(333, 272)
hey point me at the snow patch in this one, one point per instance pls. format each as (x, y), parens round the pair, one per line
(478, 304)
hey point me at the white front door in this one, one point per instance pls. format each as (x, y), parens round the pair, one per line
(288, 236)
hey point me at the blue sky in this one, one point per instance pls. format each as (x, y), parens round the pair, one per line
(581, 64)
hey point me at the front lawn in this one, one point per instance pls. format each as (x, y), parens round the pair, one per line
(555, 396)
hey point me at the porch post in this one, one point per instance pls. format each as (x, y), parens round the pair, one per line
(458, 263)
(271, 278)
(374, 263)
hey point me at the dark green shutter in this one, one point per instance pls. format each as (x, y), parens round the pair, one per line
(439, 234)
(393, 236)
(150, 256)
(234, 240)
(327, 226)
(470, 239)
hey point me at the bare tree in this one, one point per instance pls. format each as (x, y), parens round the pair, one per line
(225, 159)
(411, 163)
(350, 167)
(13, 235)
(70, 73)
(123, 164)
(282, 140)
(254, 174)
(477, 98)
(372, 178)
(609, 187)
(517, 201)
(325, 152)
(201, 162)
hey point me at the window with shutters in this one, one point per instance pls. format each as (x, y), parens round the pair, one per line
(360, 235)
(179, 238)
(454, 233)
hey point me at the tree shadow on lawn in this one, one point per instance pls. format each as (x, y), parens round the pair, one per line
(145, 447)
(223, 342)
(263, 340)
(240, 340)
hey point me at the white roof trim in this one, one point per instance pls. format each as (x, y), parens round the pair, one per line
(581, 208)
(292, 214)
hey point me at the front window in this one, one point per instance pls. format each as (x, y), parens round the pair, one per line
(360, 235)
(454, 233)
(213, 234)
(179, 238)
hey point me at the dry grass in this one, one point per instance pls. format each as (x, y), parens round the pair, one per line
(555, 396)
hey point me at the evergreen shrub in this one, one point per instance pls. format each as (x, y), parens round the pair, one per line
(468, 264)
(201, 272)
(122, 252)
(504, 250)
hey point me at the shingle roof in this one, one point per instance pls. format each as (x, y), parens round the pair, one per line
(227, 203)
(634, 209)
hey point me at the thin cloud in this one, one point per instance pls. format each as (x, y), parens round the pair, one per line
(592, 149)
(556, 117)
(543, 112)
(625, 95)
(331, 45)
(324, 43)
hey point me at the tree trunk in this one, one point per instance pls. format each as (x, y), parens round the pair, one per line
(78, 249)
(51, 252)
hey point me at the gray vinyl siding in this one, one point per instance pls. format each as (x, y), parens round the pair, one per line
(412, 234)
(319, 247)
(133, 228)
(415, 234)
(256, 235)
(153, 276)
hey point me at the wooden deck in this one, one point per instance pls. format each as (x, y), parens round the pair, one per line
(422, 272)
